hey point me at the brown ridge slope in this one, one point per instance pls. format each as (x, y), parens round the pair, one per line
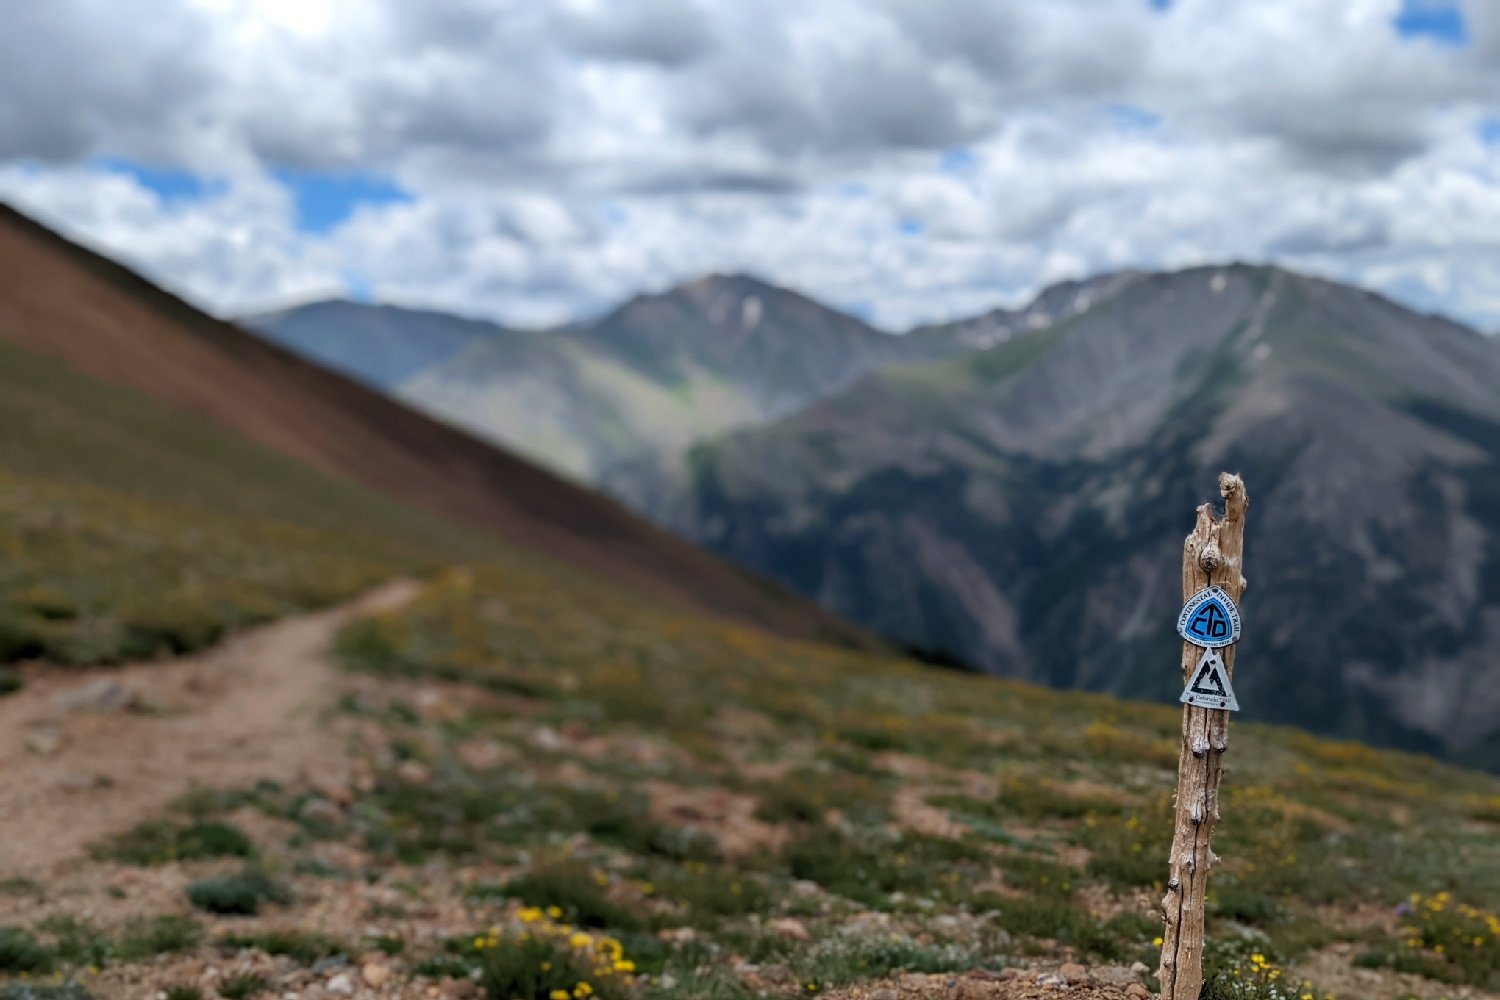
(109, 323)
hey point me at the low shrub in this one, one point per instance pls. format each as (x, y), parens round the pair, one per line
(145, 937)
(243, 986)
(22, 953)
(76, 942)
(547, 961)
(303, 947)
(575, 891)
(237, 895)
(156, 842)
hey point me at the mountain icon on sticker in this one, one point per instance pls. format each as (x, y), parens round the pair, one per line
(1210, 619)
(1209, 686)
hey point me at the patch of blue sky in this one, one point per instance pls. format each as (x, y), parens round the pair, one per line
(1160, 4)
(958, 161)
(324, 199)
(1131, 117)
(358, 287)
(855, 189)
(912, 227)
(168, 184)
(1438, 20)
(1489, 131)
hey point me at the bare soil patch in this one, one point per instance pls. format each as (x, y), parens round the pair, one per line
(249, 709)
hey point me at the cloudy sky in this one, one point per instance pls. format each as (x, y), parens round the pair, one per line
(910, 160)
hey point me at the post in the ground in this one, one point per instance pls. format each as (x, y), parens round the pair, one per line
(1212, 583)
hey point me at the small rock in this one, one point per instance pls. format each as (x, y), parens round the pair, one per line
(103, 695)
(1140, 969)
(1137, 992)
(329, 779)
(414, 772)
(45, 740)
(433, 706)
(482, 754)
(318, 811)
(73, 781)
(776, 975)
(341, 985)
(885, 993)
(375, 974)
(790, 928)
(1073, 972)
(548, 739)
(1051, 979)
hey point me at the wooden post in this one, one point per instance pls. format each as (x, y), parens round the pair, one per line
(1210, 557)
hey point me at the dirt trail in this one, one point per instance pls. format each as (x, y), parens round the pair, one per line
(246, 710)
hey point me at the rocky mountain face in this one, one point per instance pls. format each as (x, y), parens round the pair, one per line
(1022, 507)
(655, 375)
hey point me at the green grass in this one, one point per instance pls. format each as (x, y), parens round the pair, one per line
(303, 947)
(22, 954)
(44, 991)
(576, 890)
(1064, 797)
(133, 529)
(158, 842)
(93, 576)
(237, 895)
(243, 986)
(146, 937)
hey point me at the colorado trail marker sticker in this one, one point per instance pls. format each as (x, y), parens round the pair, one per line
(1210, 619)
(1210, 686)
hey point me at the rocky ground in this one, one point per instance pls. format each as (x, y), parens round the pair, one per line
(443, 792)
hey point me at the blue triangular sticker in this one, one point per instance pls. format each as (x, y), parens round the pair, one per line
(1209, 686)
(1210, 619)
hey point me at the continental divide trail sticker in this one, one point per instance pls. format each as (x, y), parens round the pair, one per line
(1211, 620)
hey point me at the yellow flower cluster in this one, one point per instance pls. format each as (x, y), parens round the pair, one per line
(1441, 922)
(602, 955)
(1262, 980)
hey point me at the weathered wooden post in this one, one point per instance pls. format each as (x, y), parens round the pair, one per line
(1210, 626)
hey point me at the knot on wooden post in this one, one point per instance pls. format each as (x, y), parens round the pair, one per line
(1210, 558)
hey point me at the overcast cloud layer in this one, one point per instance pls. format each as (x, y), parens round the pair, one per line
(911, 160)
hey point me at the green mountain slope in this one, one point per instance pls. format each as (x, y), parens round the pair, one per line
(1017, 506)
(651, 377)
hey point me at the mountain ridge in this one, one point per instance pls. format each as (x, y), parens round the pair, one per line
(1004, 505)
(108, 323)
(654, 374)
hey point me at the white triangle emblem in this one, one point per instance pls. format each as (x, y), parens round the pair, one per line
(1209, 686)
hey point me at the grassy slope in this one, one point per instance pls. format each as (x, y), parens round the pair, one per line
(132, 528)
(750, 816)
(103, 320)
(1039, 819)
